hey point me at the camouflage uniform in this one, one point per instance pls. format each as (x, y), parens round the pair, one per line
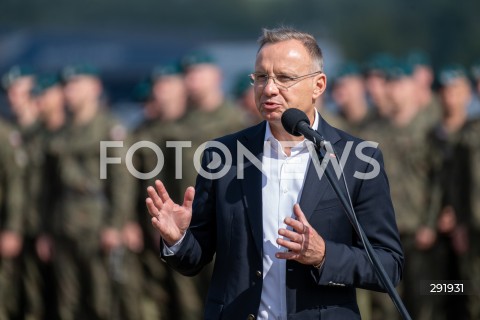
(199, 127)
(404, 150)
(468, 180)
(430, 115)
(40, 280)
(86, 205)
(12, 162)
(349, 77)
(32, 279)
(34, 139)
(163, 290)
(347, 73)
(358, 129)
(441, 258)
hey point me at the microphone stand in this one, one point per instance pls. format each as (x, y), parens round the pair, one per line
(320, 147)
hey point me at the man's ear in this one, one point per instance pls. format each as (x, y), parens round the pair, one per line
(320, 84)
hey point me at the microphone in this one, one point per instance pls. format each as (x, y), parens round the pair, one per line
(296, 123)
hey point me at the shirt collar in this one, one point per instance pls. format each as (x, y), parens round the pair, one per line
(275, 144)
(269, 136)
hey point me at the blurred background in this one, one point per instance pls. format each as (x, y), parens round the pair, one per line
(124, 38)
(73, 246)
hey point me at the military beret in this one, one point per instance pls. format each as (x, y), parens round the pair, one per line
(44, 82)
(14, 73)
(379, 63)
(418, 58)
(196, 57)
(399, 69)
(169, 69)
(449, 73)
(71, 71)
(241, 84)
(348, 69)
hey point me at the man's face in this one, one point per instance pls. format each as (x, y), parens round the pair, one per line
(169, 89)
(169, 92)
(80, 90)
(19, 94)
(349, 91)
(376, 86)
(456, 96)
(50, 101)
(201, 79)
(287, 58)
(401, 93)
(423, 76)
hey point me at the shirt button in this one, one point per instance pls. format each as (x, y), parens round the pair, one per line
(258, 273)
(285, 190)
(251, 317)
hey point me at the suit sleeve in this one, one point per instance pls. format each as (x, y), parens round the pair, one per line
(198, 246)
(348, 264)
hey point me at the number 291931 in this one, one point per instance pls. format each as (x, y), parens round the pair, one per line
(448, 287)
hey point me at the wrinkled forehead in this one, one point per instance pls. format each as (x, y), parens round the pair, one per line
(284, 56)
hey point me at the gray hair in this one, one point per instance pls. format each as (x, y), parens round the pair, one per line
(286, 33)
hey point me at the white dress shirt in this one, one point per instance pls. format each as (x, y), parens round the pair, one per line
(282, 183)
(282, 180)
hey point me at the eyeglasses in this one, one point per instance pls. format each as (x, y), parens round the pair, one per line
(282, 82)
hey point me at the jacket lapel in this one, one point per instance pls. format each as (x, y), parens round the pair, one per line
(315, 186)
(313, 190)
(253, 140)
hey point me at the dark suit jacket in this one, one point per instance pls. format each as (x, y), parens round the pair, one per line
(227, 221)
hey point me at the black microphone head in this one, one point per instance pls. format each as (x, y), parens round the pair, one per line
(291, 118)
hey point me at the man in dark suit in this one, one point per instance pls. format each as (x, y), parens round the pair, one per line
(272, 261)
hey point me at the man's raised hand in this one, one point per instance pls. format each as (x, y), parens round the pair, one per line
(303, 243)
(170, 219)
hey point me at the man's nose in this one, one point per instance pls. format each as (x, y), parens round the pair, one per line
(271, 87)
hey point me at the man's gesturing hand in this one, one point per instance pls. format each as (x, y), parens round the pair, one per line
(169, 218)
(304, 244)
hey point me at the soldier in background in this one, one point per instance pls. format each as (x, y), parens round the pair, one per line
(440, 231)
(331, 117)
(245, 97)
(167, 294)
(349, 96)
(91, 211)
(375, 74)
(47, 95)
(18, 83)
(402, 139)
(461, 220)
(468, 164)
(210, 115)
(424, 77)
(11, 220)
